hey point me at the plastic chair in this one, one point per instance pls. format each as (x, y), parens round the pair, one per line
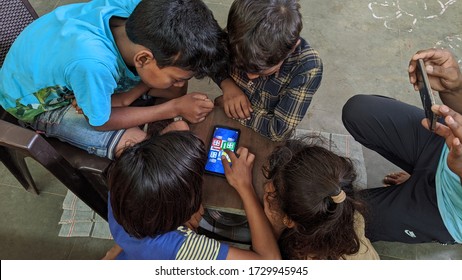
(80, 172)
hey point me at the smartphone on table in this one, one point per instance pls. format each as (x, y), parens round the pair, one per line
(426, 94)
(223, 138)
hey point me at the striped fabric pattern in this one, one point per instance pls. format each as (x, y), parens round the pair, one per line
(197, 247)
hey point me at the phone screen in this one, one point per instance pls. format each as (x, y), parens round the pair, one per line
(223, 138)
(426, 94)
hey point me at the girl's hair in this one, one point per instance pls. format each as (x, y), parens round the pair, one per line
(156, 185)
(305, 177)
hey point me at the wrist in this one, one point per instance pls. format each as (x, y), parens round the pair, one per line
(143, 86)
(453, 92)
(172, 108)
(245, 191)
(226, 85)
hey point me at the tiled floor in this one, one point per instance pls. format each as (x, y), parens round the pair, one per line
(365, 46)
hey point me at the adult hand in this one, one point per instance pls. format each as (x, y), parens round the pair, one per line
(452, 132)
(194, 106)
(442, 69)
(239, 173)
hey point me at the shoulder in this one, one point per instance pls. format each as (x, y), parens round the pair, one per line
(199, 247)
(366, 250)
(304, 61)
(305, 56)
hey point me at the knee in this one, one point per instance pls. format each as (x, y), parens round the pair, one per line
(176, 126)
(131, 137)
(353, 108)
(180, 125)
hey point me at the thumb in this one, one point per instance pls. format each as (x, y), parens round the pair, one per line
(200, 96)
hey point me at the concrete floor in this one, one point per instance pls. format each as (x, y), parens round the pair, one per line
(365, 47)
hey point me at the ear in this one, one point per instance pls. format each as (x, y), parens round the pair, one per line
(296, 45)
(143, 57)
(288, 222)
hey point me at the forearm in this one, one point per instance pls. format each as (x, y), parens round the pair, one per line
(169, 93)
(126, 98)
(271, 126)
(453, 100)
(128, 117)
(263, 241)
(228, 85)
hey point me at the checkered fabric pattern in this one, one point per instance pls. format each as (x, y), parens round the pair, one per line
(280, 101)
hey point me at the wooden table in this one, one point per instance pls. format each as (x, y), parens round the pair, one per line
(218, 194)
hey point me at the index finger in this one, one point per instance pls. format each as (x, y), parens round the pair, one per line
(444, 110)
(247, 109)
(207, 103)
(225, 163)
(231, 155)
(239, 111)
(452, 118)
(199, 95)
(424, 54)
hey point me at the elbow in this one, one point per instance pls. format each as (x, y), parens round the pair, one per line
(121, 102)
(103, 127)
(99, 128)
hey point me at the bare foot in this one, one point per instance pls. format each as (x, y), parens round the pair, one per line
(396, 178)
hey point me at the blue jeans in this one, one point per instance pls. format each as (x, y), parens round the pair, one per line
(69, 126)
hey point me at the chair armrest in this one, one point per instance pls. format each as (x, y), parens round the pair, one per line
(33, 145)
(16, 137)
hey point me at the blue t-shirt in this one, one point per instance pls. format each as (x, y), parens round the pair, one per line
(180, 244)
(449, 196)
(69, 50)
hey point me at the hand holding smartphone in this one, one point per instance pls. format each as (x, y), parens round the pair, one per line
(223, 138)
(426, 94)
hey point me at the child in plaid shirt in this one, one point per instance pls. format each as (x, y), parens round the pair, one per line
(274, 72)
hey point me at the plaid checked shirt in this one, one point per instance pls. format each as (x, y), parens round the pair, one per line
(280, 101)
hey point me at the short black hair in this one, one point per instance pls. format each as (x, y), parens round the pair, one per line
(156, 185)
(179, 33)
(262, 33)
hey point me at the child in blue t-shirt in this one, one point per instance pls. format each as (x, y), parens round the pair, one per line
(155, 202)
(105, 54)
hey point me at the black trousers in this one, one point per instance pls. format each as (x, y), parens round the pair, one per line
(407, 212)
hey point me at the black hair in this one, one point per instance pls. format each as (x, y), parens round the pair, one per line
(305, 177)
(156, 185)
(179, 33)
(262, 33)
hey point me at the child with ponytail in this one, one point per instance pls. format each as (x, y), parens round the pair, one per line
(312, 206)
